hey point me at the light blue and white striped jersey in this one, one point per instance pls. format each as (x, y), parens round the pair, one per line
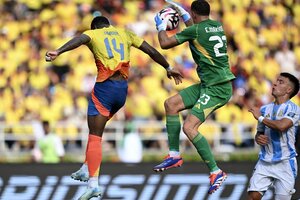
(281, 145)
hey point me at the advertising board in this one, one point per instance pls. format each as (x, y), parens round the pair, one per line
(126, 181)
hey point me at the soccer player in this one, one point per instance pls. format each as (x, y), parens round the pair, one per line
(207, 42)
(111, 49)
(276, 131)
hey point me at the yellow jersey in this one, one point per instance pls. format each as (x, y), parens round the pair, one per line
(111, 49)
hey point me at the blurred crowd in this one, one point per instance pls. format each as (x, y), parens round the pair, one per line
(263, 39)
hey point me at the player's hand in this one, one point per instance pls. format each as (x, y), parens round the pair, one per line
(51, 55)
(161, 25)
(261, 139)
(255, 112)
(177, 76)
(181, 11)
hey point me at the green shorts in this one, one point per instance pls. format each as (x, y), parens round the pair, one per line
(204, 100)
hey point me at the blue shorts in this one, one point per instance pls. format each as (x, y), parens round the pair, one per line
(107, 97)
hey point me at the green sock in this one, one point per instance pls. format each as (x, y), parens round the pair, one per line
(204, 151)
(173, 129)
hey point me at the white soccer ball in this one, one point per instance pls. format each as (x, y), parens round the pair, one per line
(171, 15)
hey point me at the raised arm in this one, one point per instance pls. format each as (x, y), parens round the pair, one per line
(154, 54)
(165, 41)
(70, 45)
(185, 16)
(160, 59)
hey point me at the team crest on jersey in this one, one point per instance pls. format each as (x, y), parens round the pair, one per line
(291, 114)
(267, 116)
(280, 114)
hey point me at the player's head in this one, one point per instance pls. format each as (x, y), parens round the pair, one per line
(293, 81)
(99, 22)
(46, 126)
(200, 7)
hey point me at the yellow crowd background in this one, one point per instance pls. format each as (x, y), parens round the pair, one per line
(263, 39)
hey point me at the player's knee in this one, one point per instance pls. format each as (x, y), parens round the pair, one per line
(253, 195)
(96, 132)
(169, 105)
(188, 130)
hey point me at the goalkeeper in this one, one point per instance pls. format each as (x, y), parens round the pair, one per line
(207, 42)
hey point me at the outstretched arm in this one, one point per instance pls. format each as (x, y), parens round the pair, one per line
(70, 45)
(160, 59)
(185, 16)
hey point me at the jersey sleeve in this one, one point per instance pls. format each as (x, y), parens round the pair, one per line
(292, 113)
(136, 41)
(190, 33)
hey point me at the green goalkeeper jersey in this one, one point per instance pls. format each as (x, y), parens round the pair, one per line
(207, 42)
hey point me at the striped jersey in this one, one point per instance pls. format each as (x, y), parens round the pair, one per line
(281, 145)
(208, 45)
(111, 49)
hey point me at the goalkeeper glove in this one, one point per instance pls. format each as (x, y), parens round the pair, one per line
(161, 25)
(183, 13)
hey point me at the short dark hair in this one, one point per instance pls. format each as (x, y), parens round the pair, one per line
(201, 7)
(294, 81)
(45, 123)
(99, 22)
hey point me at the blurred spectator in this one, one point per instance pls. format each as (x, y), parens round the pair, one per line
(130, 147)
(261, 85)
(286, 59)
(9, 143)
(50, 148)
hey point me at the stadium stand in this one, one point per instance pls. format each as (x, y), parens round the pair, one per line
(263, 39)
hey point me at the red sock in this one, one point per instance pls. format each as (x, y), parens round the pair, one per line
(94, 154)
(85, 160)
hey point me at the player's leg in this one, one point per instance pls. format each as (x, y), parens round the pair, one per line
(285, 173)
(96, 126)
(83, 173)
(184, 100)
(190, 128)
(96, 105)
(107, 98)
(210, 99)
(254, 195)
(173, 105)
(260, 181)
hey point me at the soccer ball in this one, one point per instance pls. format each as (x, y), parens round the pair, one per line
(171, 15)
